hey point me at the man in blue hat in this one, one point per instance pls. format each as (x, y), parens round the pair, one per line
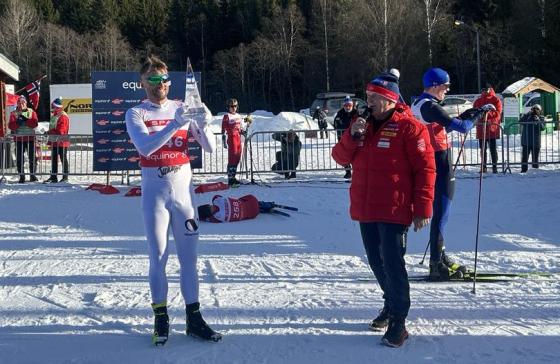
(427, 109)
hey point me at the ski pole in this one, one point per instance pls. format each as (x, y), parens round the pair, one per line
(481, 176)
(425, 252)
(460, 152)
(285, 207)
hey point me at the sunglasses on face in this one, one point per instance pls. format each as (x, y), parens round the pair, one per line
(157, 79)
(233, 106)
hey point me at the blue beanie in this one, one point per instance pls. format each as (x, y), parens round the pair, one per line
(348, 101)
(57, 103)
(435, 77)
(386, 85)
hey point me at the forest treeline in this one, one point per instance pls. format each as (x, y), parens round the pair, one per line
(277, 54)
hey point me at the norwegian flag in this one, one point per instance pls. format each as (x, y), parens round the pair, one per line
(33, 92)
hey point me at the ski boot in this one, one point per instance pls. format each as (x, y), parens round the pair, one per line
(348, 174)
(441, 272)
(197, 327)
(233, 182)
(396, 333)
(161, 324)
(452, 265)
(381, 321)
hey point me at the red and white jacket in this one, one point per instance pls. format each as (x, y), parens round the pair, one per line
(393, 170)
(229, 209)
(159, 139)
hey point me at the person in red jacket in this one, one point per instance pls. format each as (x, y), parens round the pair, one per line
(58, 140)
(228, 209)
(23, 121)
(392, 187)
(494, 118)
(232, 124)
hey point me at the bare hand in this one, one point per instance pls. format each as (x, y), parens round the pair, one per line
(358, 128)
(420, 222)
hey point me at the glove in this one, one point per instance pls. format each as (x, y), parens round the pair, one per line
(224, 143)
(462, 126)
(265, 206)
(181, 116)
(358, 128)
(21, 120)
(469, 114)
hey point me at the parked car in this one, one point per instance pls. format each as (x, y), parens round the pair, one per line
(331, 102)
(456, 105)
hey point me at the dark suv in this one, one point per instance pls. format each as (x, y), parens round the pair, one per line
(331, 102)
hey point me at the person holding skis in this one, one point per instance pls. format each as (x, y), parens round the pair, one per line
(428, 110)
(159, 128)
(392, 187)
(232, 125)
(488, 137)
(229, 209)
(342, 121)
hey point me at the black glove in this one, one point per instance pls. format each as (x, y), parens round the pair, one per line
(266, 206)
(21, 120)
(470, 114)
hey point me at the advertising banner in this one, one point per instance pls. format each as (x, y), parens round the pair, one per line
(113, 93)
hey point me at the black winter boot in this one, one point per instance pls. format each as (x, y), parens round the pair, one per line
(381, 321)
(396, 333)
(161, 324)
(197, 327)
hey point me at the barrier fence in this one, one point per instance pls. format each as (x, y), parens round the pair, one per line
(263, 153)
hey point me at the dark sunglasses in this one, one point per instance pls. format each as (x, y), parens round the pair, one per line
(157, 79)
(232, 105)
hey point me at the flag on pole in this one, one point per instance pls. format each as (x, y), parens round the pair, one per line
(33, 92)
(11, 99)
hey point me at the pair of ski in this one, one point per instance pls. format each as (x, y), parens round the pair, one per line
(282, 213)
(482, 277)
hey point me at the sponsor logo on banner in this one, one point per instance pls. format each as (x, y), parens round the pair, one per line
(118, 150)
(131, 85)
(103, 141)
(117, 101)
(102, 122)
(118, 131)
(117, 113)
(100, 84)
(103, 160)
(133, 159)
(77, 106)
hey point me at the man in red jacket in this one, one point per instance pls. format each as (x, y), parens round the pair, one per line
(228, 209)
(392, 187)
(23, 121)
(58, 140)
(494, 118)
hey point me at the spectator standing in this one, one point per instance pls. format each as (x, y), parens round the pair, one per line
(493, 120)
(287, 158)
(321, 118)
(532, 123)
(342, 120)
(233, 128)
(23, 122)
(58, 141)
(393, 186)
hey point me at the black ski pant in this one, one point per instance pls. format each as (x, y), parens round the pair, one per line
(385, 246)
(534, 151)
(443, 195)
(23, 147)
(493, 152)
(62, 154)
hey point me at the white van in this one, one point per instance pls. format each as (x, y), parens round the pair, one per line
(529, 100)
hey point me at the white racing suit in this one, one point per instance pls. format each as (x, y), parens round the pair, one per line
(167, 190)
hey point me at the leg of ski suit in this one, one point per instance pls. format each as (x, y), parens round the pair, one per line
(385, 246)
(443, 194)
(167, 202)
(234, 155)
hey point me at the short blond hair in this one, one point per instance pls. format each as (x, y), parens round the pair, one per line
(152, 63)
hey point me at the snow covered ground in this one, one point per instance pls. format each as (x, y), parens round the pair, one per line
(73, 279)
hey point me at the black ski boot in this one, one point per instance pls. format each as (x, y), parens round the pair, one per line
(231, 172)
(441, 272)
(197, 327)
(381, 321)
(396, 333)
(452, 265)
(161, 324)
(348, 174)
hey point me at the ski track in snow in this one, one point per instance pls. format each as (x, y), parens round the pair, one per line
(73, 273)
